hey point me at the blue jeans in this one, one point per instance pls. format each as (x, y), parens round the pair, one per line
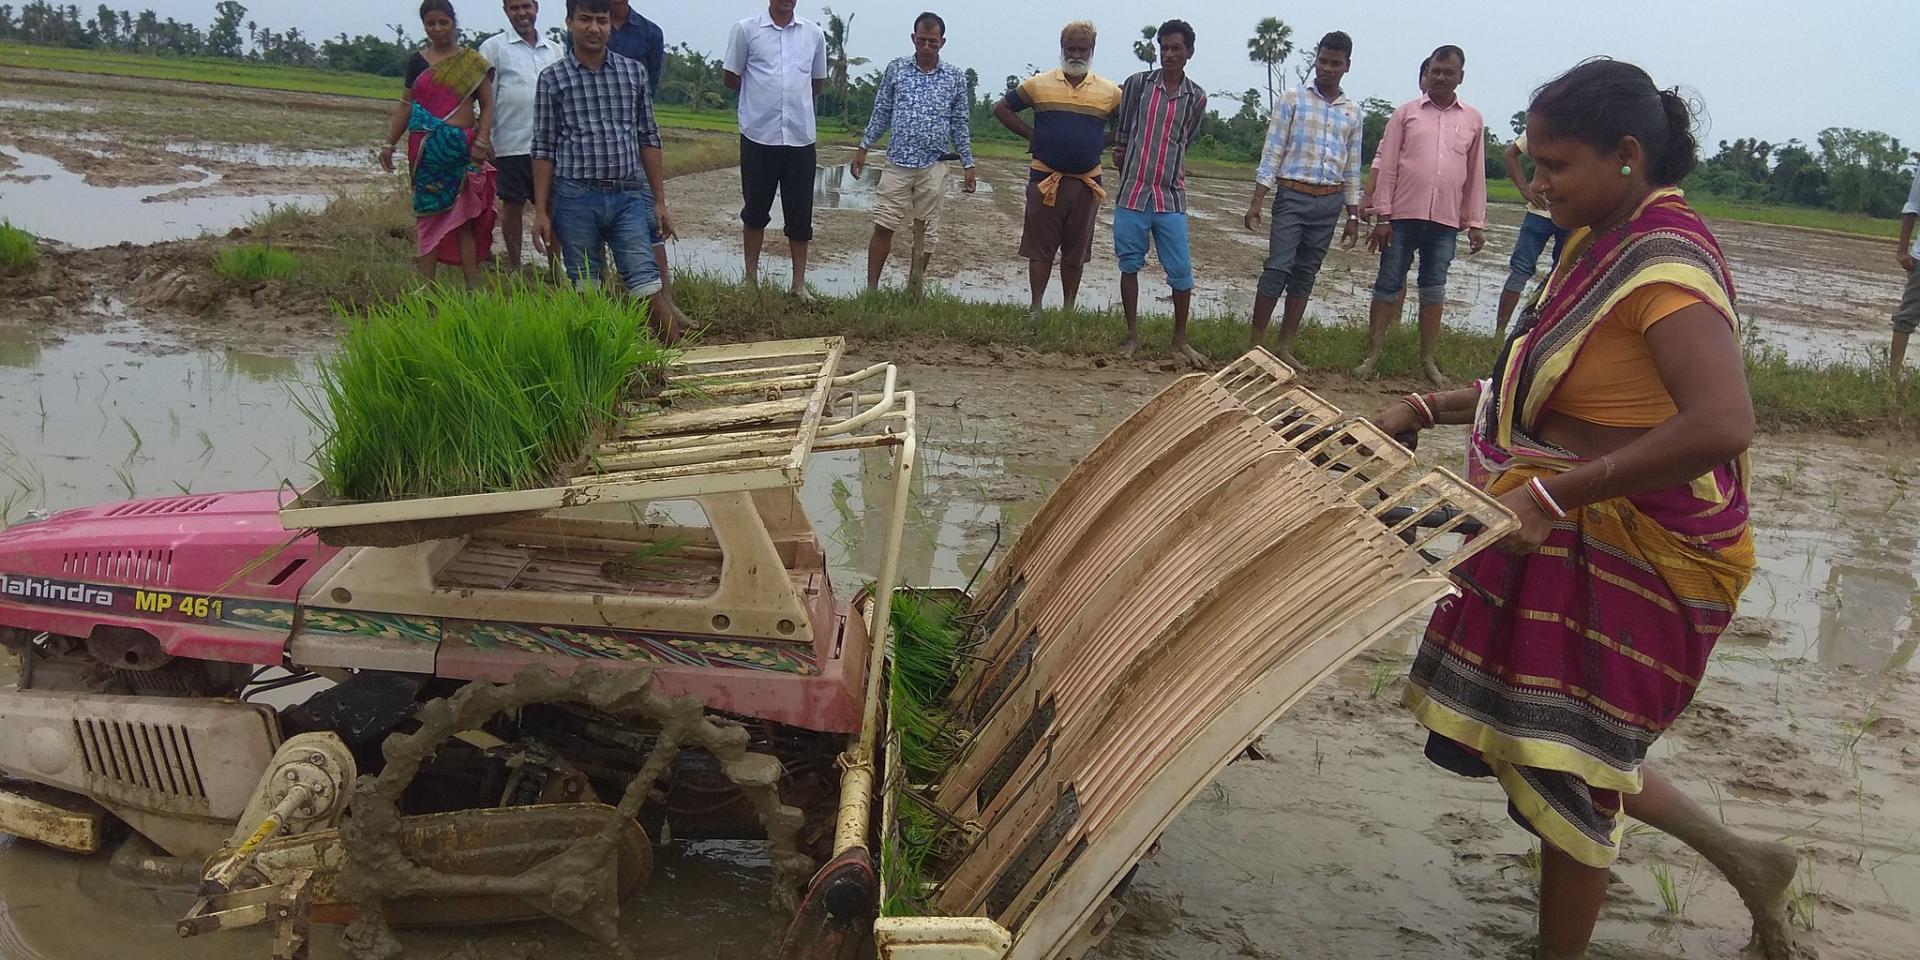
(1132, 229)
(1535, 231)
(587, 219)
(1434, 243)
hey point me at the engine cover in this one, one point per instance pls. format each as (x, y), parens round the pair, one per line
(179, 771)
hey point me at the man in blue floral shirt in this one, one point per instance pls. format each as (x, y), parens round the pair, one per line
(927, 105)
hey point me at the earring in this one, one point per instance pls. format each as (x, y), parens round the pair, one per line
(1626, 171)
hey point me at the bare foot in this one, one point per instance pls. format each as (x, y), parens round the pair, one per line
(1127, 348)
(802, 294)
(1761, 873)
(1033, 314)
(1432, 370)
(1365, 370)
(1192, 356)
(1286, 356)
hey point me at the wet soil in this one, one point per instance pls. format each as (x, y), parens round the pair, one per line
(1344, 843)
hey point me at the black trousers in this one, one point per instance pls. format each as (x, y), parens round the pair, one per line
(789, 170)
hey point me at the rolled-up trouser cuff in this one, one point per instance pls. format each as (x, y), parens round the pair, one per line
(1517, 282)
(1432, 295)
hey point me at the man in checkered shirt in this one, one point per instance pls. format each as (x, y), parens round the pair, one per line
(597, 177)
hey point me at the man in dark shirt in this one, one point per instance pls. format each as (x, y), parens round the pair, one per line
(597, 178)
(635, 37)
(1070, 107)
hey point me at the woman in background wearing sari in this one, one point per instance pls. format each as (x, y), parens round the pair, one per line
(447, 114)
(1615, 426)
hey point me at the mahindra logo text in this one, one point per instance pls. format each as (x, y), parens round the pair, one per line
(40, 588)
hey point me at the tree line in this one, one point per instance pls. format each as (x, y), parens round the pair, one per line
(1844, 169)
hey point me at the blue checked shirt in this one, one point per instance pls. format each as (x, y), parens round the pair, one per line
(592, 123)
(927, 112)
(1313, 140)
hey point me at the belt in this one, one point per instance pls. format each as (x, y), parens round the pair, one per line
(1312, 189)
(611, 186)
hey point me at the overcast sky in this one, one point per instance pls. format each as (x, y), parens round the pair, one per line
(1756, 69)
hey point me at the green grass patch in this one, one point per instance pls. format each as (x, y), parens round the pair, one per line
(254, 263)
(445, 392)
(18, 251)
(921, 670)
(1714, 208)
(1850, 396)
(236, 73)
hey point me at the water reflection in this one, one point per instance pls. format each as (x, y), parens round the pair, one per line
(47, 200)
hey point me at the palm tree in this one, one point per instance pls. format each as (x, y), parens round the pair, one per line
(1144, 47)
(838, 33)
(1271, 44)
(698, 80)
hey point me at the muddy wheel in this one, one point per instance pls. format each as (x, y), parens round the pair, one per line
(579, 885)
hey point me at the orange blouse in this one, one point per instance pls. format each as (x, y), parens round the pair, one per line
(1614, 382)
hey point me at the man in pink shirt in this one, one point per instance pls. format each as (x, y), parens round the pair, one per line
(1432, 183)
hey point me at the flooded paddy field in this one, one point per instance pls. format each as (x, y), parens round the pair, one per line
(1344, 843)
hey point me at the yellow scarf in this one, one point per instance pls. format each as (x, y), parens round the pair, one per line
(1050, 187)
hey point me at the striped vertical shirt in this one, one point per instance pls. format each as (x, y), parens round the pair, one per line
(1311, 139)
(1157, 126)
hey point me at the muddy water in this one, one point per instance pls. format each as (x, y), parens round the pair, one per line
(1345, 844)
(44, 198)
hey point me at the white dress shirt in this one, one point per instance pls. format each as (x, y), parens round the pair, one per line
(777, 66)
(516, 74)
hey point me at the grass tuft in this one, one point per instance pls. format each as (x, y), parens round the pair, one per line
(18, 251)
(253, 263)
(445, 392)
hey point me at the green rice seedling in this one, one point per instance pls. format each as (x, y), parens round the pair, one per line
(1669, 891)
(1803, 897)
(206, 444)
(445, 392)
(125, 479)
(18, 251)
(135, 433)
(1382, 675)
(253, 263)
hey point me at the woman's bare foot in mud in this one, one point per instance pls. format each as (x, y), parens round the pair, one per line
(1762, 872)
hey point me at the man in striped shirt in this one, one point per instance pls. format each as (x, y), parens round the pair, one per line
(1160, 114)
(1312, 166)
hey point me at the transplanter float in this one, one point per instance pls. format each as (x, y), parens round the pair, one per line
(530, 688)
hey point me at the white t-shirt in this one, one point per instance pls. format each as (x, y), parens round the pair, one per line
(776, 66)
(516, 76)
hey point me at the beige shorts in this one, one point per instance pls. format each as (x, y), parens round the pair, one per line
(904, 196)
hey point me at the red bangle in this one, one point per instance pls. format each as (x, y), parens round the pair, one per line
(1421, 408)
(1544, 500)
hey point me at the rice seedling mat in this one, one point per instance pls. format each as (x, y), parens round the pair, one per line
(729, 419)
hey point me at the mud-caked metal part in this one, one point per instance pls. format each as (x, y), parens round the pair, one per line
(578, 885)
(305, 788)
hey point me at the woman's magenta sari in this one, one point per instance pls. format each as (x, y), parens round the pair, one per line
(450, 188)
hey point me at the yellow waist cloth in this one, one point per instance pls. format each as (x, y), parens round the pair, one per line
(1050, 186)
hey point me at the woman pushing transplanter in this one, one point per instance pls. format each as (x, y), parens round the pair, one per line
(1615, 425)
(446, 114)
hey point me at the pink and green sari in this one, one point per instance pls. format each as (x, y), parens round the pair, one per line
(451, 189)
(1558, 680)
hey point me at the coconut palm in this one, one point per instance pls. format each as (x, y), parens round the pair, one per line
(1271, 44)
(698, 79)
(1145, 48)
(838, 33)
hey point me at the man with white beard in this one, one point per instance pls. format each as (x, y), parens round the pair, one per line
(1071, 107)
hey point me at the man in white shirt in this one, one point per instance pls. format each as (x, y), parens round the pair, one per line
(1906, 318)
(777, 61)
(518, 56)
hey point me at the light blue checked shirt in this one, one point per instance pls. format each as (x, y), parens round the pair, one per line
(1313, 140)
(927, 113)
